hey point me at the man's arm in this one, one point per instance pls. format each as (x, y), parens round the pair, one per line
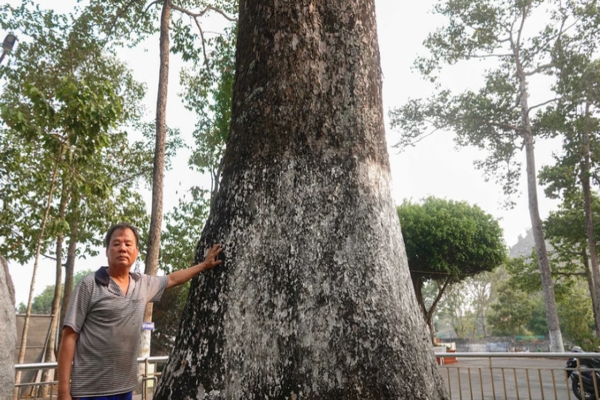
(182, 276)
(66, 352)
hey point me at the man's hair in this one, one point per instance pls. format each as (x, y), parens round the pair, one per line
(118, 227)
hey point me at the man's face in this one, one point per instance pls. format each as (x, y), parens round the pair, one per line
(122, 249)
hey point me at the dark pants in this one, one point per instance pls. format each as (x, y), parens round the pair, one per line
(122, 396)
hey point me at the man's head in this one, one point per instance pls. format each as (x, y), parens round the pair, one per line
(122, 245)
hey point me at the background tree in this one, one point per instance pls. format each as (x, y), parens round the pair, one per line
(66, 114)
(456, 308)
(575, 117)
(565, 229)
(512, 311)
(498, 116)
(576, 317)
(303, 205)
(447, 241)
(65, 88)
(134, 20)
(208, 90)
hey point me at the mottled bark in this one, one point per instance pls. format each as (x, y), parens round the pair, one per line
(314, 298)
(153, 251)
(8, 332)
(555, 336)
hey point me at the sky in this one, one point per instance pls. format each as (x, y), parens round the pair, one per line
(433, 168)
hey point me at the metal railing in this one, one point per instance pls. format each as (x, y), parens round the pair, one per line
(47, 390)
(473, 376)
(511, 376)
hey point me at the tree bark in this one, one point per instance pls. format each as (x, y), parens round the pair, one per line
(314, 298)
(556, 342)
(8, 332)
(153, 251)
(589, 220)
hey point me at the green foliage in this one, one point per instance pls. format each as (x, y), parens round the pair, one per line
(208, 92)
(493, 117)
(525, 275)
(576, 317)
(184, 226)
(447, 238)
(65, 95)
(565, 229)
(67, 84)
(512, 311)
(537, 324)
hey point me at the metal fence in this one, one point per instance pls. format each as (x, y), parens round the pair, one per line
(510, 376)
(468, 376)
(33, 389)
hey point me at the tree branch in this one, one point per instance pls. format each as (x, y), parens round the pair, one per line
(422, 137)
(539, 69)
(542, 104)
(201, 13)
(487, 55)
(195, 17)
(523, 18)
(151, 4)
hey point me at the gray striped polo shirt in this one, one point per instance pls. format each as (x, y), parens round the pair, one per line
(109, 324)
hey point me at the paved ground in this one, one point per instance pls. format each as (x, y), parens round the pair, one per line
(475, 371)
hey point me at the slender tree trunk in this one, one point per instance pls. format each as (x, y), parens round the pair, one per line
(50, 356)
(153, 251)
(590, 281)
(314, 298)
(589, 221)
(38, 250)
(69, 267)
(556, 342)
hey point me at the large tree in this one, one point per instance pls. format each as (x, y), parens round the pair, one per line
(313, 299)
(448, 241)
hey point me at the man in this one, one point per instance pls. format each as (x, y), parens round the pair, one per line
(102, 326)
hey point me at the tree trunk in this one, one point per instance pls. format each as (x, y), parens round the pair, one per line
(23, 345)
(418, 288)
(50, 356)
(69, 269)
(556, 342)
(154, 235)
(590, 281)
(313, 299)
(589, 221)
